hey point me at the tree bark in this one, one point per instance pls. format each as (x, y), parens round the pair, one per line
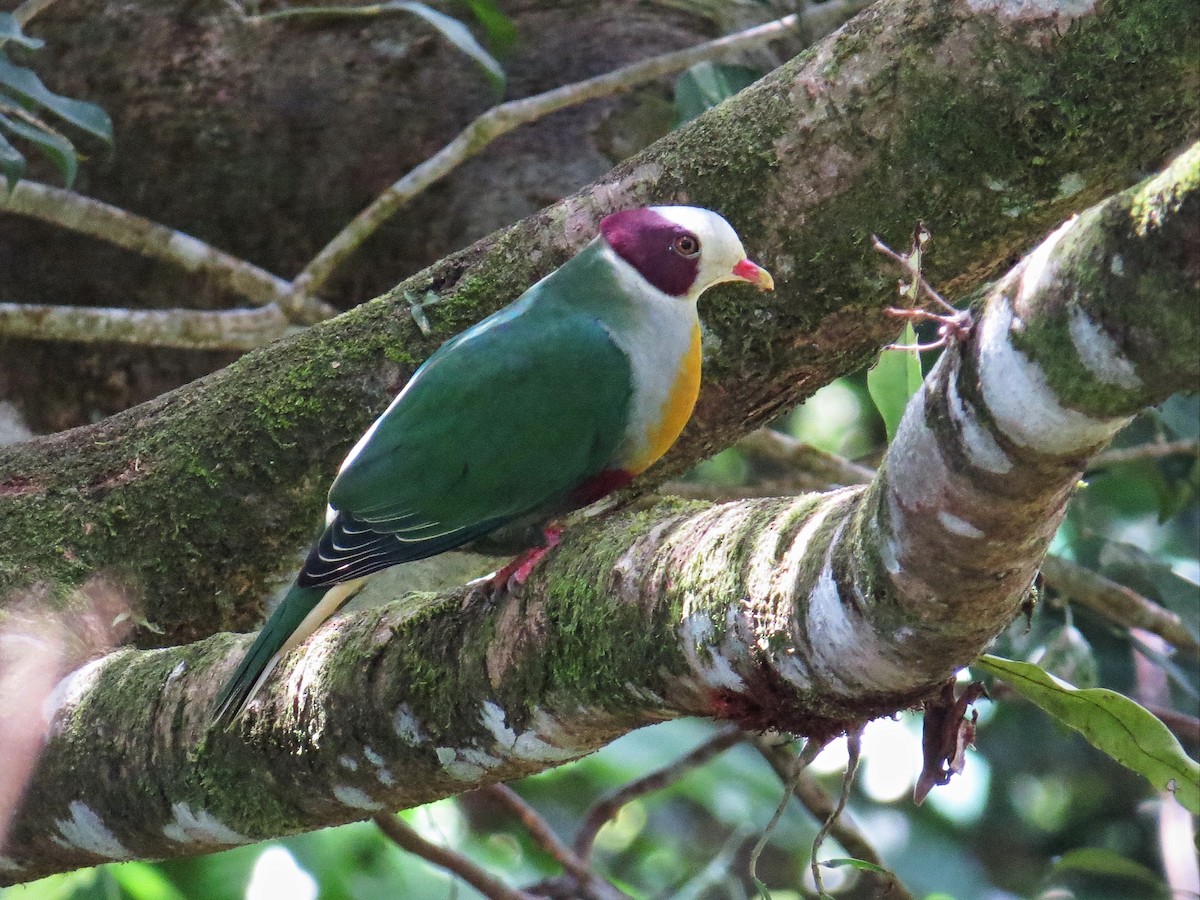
(194, 501)
(809, 614)
(798, 163)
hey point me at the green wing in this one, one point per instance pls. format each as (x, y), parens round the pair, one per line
(507, 419)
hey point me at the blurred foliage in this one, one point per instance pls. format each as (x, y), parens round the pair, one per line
(24, 100)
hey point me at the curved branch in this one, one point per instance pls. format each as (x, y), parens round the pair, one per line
(499, 120)
(86, 215)
(797, 162)
(227, 329)
(810, 615)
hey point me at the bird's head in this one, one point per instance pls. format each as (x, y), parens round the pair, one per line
(681, 250)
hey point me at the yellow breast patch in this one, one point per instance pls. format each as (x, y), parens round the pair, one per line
(676, 409)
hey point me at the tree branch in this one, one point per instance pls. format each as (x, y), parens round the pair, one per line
(499, 120)
(229, 329)
(85, 215)
(1116, 602)
(797, 162)
(407, 839)
(808, 615)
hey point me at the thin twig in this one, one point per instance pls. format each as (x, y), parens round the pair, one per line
(1117, 602)
(232, 329)
(1150, 450)
(820, 805)
(854, 752)
(407, 839)
(500, 120)
(86, 215)
(607, 807)
(541, 832)
(812, 747)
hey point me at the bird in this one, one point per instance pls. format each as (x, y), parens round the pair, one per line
(548, 405)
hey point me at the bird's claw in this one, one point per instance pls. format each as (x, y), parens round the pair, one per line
(511, 578)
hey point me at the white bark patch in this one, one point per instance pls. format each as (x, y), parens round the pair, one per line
(346, 761)
(704, 657)
(846, 650)
(374, 758)
(8, 864)
(961, 527)
(386, 778)
(407, 726)
(1017, 394)
(1033, 10)
(86, 831)
(495, 720)
(188, 827)
(355, 798)
(981, 447)
(528, 745)
(73, 686)
(1099, 352)
(458, 769)
(189, 251)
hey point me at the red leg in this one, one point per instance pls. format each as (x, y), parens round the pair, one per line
(518, 571)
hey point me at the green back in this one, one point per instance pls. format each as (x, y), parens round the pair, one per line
(505, 419)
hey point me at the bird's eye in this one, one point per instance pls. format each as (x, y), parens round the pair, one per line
(687, 245)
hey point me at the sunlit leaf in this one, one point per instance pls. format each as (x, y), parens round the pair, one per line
(57, 148)
(25, 85)
(1109, 721)
(10, 30)
(456, 33)
(894, 379)
(706, 84)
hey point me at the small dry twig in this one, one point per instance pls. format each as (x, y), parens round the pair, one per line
(607, 807)
(407, 839)
(589, 882)
(812, 747)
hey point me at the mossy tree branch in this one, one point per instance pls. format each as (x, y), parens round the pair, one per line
(810, 614)
(197, 500)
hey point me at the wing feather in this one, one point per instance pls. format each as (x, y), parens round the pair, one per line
(501, 423)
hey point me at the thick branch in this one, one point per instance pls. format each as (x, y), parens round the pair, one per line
(809, 615)
(797, 162)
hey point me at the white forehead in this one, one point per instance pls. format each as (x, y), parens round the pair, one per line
(714, 232)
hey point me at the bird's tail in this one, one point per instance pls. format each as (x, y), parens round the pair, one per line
(296, 617)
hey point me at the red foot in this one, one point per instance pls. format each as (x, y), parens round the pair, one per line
(518, 571)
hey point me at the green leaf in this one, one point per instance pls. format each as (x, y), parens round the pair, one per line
(456, 33)
(57, 148)
(499, 28)
(12, 162)
(1112, 723)
(1101, 861)
(706, 84)
(23, 84)
(763, 892)
(894, 379)
(860, 864)
(10, 30)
